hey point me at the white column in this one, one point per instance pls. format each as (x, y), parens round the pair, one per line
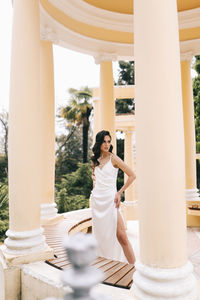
(189, 131)
(97, 117)
(47, 166)
(163, 271)
(25, 121)
(130, 203)
(107, 99)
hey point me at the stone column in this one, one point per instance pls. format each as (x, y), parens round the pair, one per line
(97, 117)
(163, 270)
(192, 195)
(130, 203)
(107, 99)
(25, 138)
(47, 167)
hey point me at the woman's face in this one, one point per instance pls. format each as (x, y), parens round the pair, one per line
(105, 146)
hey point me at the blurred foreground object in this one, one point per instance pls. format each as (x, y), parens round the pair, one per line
(82, 277)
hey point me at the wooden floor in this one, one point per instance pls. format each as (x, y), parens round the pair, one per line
(115, 273)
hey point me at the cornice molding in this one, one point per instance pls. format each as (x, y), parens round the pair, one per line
(188, 49)
(53, 31)
(47, 34)
(189, 18)
(81, 11)
(105, 57)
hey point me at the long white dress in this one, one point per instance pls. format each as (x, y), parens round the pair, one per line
(104, 212)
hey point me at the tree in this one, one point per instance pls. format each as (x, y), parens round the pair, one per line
(4, 214)
(126, 77)
(68, 152)
(4, 125)
(78, 113)
(196, 94)
(74, 190)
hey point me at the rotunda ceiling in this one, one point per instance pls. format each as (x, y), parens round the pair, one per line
(105, 28)
(126, 6)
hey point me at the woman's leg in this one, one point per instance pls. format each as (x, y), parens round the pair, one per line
(123, 240)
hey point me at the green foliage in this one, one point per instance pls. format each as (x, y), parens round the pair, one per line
(196, 94)
(3, 168)
(74, 190)
(78, 112)
(197, 147)
(4, 213)
(68, 153)
(126, 77)
(126, 73)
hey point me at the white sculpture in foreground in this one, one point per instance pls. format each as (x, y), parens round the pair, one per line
(82, 277)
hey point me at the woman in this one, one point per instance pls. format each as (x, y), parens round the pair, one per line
(107, 222)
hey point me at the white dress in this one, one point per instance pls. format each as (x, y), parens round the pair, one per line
(104, 212)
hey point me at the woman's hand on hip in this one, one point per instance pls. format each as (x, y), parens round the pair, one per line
(117, 199)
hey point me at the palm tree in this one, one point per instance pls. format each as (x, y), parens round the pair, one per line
(78, 112)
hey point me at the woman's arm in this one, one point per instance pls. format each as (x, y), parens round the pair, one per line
(118, 162)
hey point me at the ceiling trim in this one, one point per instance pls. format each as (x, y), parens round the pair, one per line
(189, 18)
(53, 31)
(189, 49)
(83, 12)
(101, 50)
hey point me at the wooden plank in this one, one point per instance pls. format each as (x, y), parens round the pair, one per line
(63, 263)
(125, 281)
(59, 251)
(102, 263)
(98, 259)
(116, 273)
(117, 276)
(114, 270)
(57, 260)
(130, 284)
(64, 267)
(108, 266)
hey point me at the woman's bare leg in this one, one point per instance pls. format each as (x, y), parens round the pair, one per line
(123, 240)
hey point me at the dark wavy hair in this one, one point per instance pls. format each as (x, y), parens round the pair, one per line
(96, 148)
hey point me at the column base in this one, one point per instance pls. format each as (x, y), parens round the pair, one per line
(18, 259)
(155, 283)
(131, 208)
(25, 246)
(48, 211)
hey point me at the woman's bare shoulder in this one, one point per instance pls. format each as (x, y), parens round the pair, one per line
(115, 159)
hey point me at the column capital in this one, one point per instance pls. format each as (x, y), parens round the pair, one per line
(187, 55)
(128, 130)
(95, 99)
(105, 57)
(47, 34)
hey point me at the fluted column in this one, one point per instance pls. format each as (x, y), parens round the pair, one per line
(130, 202)
(107, 99)
(47, 167)
(25, 137)
(163, 271)
(192, 194)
